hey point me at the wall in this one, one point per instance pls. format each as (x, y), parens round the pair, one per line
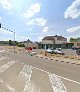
(31, 45)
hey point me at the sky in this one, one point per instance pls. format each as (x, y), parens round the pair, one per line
(35, 19)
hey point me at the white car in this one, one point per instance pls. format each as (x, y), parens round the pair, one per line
(50, 50)
(59, 52)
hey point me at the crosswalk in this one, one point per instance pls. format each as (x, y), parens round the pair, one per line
(16, 76)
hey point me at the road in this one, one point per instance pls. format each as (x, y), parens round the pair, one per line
(25, 73)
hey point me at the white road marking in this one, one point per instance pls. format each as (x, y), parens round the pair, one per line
(57, 84)
(26, 72)
(2, 58)
(7, 86)
(10, 88)
(6, 66)
(1, 81)
(58, 76)
(26, 75)
(41, 70)
(30, 87)
(70, 80)
(2, 50)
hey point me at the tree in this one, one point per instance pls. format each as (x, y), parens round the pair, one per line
(73, 39)
(10, 42)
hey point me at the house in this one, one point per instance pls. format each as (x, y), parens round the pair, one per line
(31, 44)
(53, 42)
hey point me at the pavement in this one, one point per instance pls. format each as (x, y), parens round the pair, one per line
(25, 73)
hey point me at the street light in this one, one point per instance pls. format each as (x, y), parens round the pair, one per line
(10, 31)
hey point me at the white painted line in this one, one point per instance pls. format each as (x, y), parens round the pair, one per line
(70, 80)
(26, 75)
(26, 72)
(2, 58)
(30, 87)
(2, 51)
(1, 81)
(10, 88)
(41, 70)
(6, 66)
(57, 84)
(7, 86)
(58, 76)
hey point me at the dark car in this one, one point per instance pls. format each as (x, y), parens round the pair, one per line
(78, 52)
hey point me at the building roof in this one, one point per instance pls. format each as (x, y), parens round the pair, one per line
(53, 37)
(48, 38)
(28, 41)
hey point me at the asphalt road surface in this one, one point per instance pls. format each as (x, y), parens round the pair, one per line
(25, 73)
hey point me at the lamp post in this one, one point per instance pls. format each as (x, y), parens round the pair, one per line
(10, 31)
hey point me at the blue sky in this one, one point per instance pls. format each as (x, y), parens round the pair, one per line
(35, 19)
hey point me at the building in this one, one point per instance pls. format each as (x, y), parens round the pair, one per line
(75, 45)
(76, 42)
(53, 42)
(31, 44)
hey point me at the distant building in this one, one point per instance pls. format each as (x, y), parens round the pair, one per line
(76, 45)
(53, 42)
(76, 42)
(31, 44)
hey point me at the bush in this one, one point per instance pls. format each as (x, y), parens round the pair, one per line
(21, 45)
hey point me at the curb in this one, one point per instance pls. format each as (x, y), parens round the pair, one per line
(59, 60)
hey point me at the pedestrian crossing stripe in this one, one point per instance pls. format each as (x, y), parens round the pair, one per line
(57, 84)
(6, 66)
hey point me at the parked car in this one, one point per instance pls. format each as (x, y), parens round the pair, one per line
(78, 52)
(33, 53)
(75, 48)
(50, 50)
(28, 48)
(59, 49)
(55, 51)
(59, 52)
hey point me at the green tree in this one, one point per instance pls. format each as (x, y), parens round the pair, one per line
(10, 42)
(73, 39)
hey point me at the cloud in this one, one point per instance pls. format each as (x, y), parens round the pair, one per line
(37, 21)
(34, 9)
(30, 28)
(4, 31)
(34, 34)
(73, 29)
(73, 11)
(6, 4)
(40, 38)
(45, 29)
